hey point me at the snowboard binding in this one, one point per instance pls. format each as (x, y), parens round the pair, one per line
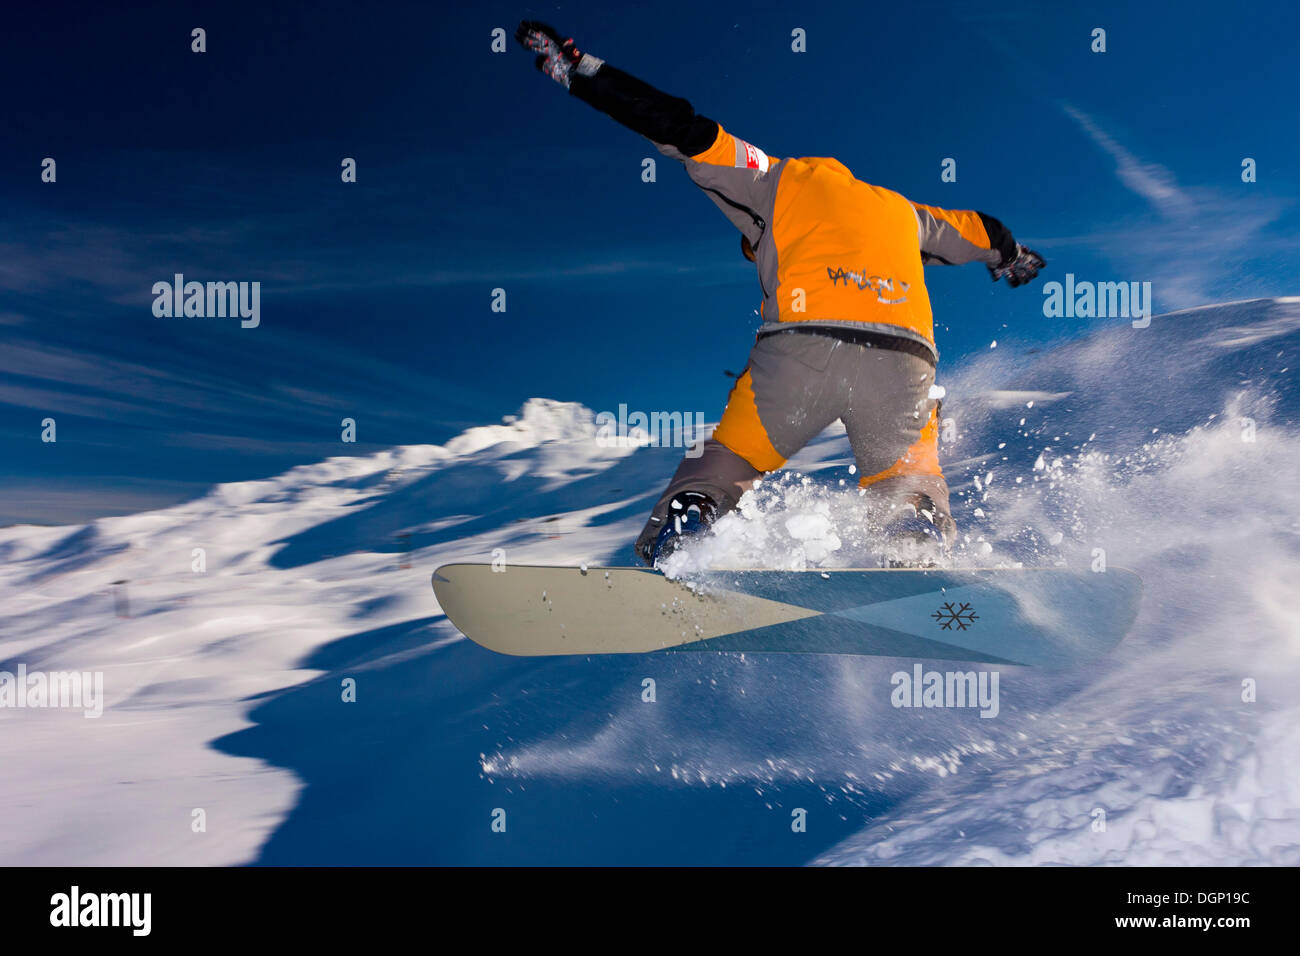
(914, 537)
(689, 513)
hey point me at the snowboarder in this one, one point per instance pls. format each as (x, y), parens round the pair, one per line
(847, 331)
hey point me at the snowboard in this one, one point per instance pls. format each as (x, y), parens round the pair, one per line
(1046, 617)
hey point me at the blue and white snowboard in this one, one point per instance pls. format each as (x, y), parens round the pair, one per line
(1033, 616)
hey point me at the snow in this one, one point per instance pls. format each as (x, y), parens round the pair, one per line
(223, 685)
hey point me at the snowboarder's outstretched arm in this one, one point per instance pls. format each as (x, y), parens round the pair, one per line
(953, 236)
(735, 173)
(731, 170)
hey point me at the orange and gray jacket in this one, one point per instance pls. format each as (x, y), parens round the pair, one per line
(832, 251)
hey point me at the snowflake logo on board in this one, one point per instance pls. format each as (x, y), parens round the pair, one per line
(963, 616)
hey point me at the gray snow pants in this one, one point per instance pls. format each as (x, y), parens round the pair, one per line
(795, 385)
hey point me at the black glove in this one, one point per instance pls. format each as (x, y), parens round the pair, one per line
(1021, 269)
(557, 57)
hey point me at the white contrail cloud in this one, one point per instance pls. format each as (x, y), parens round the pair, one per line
(1151, 181)
(1198, 248)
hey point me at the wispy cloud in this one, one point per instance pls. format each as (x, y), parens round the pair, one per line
(89, 383)
(1152, 182)
(1198, 249)
(61, 502)
(1195, 244)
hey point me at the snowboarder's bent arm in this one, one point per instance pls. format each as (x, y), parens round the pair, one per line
(956, 236)
(731, 170)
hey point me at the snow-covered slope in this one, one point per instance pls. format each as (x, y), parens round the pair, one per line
(1172, 448)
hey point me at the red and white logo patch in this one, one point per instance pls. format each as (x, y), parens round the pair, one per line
(750, 157)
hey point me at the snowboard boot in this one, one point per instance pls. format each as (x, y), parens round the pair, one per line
(689, 513)
(914, 537)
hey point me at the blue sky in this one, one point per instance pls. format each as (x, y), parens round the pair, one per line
(476, 172)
